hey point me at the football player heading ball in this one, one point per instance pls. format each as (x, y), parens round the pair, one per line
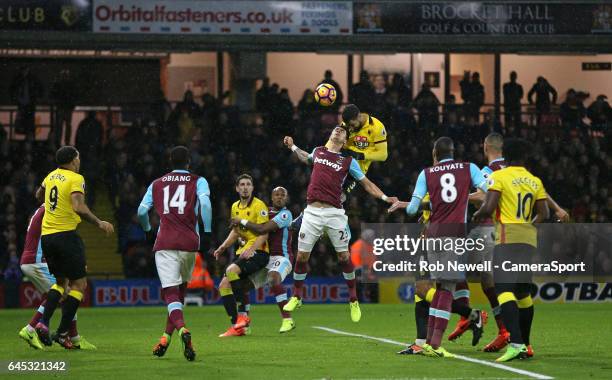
(367, 140)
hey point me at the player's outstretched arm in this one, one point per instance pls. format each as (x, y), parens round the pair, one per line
(79, 206)
(375, 191)
(397, 205)
(560, 213)
(302, 155)
(489, 205)
(258, 228)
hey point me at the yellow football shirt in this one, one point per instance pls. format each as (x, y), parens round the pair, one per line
(255, 212)
(519, 192)
(59, 214)
(371, 140)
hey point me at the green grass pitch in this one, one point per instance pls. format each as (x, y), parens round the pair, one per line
(571, 341)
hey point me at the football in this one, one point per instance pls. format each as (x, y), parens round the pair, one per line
(325, 94)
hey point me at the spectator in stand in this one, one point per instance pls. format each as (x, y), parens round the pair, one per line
(513, 93)
(262, 96)
(451, 123)
(25, 90)
(328, 78)
(600, 114)
(427, 105)
(398, 87)
(161, 109)
(380, 106)
(543, 92)
(307, 107)
(188, 105)
(464, 85)
(474, 97)
(282, 114)
(64, 96)
(451, 110)
(362, 93)
(571, 112)
(88, 141)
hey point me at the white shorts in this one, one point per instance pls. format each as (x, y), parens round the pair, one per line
(316, 221)
(39, 275)
(174, 267)
(279, 264)
(487, 233)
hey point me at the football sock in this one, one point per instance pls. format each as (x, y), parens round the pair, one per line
(462, 293)
(69, 309)
(53, 298)
(245, 304)
(525, 306)
(299, 275)
(229, 298)
(431, 319)
(182, 292)
(458, 307)
(38, 314)
(348, 272)
(421, 314)
(281, 298)
(229, 303)
(510, 315)
(172, 297)
(492, 297)
(443, 308)
(72, 331)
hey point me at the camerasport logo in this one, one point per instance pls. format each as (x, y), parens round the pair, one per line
(222, 17)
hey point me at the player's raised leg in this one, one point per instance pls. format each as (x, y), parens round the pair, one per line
(348, 272)
(310, 232)
(339, 234)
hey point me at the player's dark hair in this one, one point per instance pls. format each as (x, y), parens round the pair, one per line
(444, 148)
(244, 176)
(516, 151)
(180, 157)
(65, 155)
(350, 112)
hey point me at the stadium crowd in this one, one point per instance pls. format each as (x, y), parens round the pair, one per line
(568, 153)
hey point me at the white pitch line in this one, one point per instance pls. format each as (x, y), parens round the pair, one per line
(460, 357)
